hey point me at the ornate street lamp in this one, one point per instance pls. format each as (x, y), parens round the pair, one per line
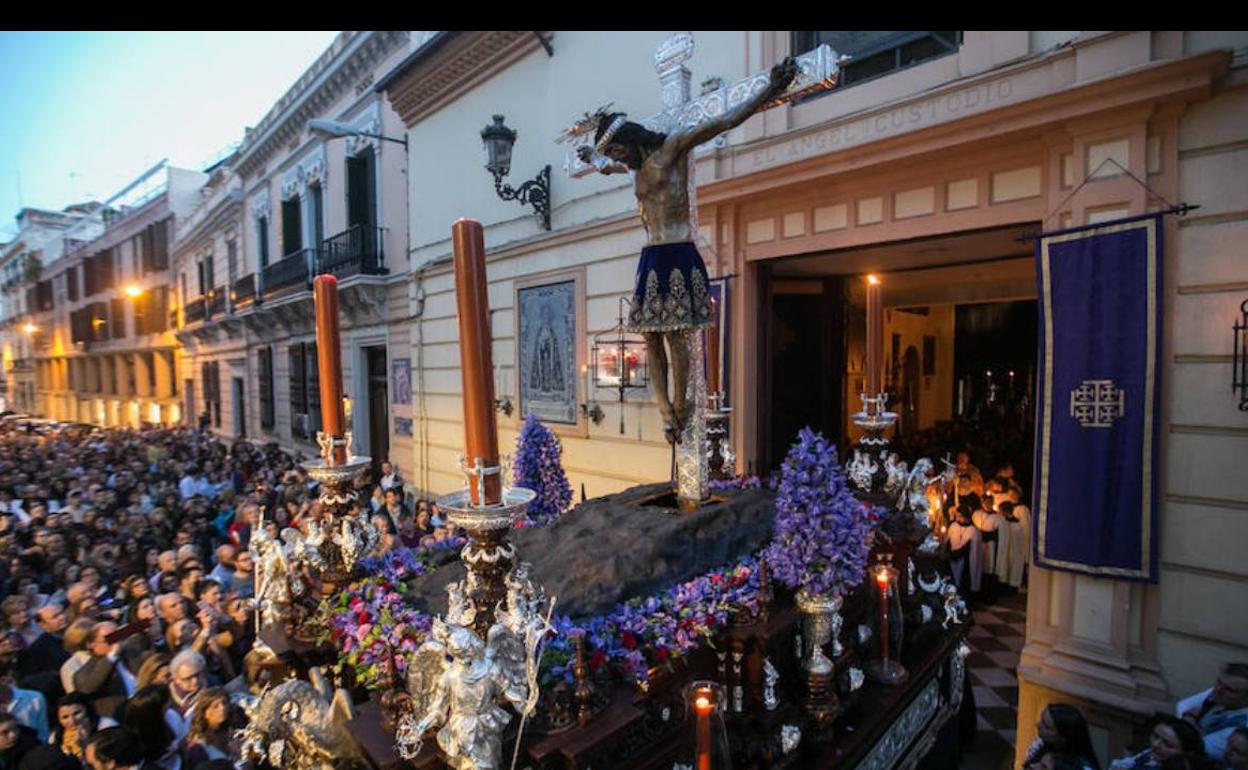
(497, 140)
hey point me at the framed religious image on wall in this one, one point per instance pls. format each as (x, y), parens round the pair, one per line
(550, 325)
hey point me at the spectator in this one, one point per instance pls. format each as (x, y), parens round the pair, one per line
(187, 669)
(115, 748)
(76, 722)
(1168, 736)
(209, 735)
(77, 637)
(47, 651)
(1062, 729)
(27, 706)
(1216, 712)
(1236, 755)
(15, 741)
(145, 716)
(106, 678)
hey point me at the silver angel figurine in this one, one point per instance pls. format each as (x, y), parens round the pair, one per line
(300, 725)
(463, 696)
(895, 474)
(914, 495)
(861, 470)
(272, 577)
(955, 608)
(356, 537)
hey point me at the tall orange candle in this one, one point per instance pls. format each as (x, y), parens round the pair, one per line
(875, 336)
(712, 351)
(702, 707)
(476, 355)
(329, 361)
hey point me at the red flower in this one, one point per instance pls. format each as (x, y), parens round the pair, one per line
(660, 654)
(629, 641)
(597, 659)
(716, 579)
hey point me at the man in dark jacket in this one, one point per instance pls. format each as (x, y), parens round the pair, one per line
(107, 678)
(47, 652)
(15, 741)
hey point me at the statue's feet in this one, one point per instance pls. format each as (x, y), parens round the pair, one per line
(672, 434)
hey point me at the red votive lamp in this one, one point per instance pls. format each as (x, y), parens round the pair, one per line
(703, 707)
(329, 362)
(476, 357)
(881, 580)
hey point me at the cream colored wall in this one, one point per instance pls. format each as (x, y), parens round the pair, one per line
(594, 230)
(1204, 582)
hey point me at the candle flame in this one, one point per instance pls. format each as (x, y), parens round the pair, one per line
(873, 279)
(702, 703)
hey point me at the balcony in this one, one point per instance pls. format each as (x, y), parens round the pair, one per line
(216, 302)
(355, 251)
(243, 292)
(293, 273)
(196, 311)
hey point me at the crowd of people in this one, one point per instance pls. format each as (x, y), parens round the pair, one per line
(127, 587)
(987, 530)
(1207, 731)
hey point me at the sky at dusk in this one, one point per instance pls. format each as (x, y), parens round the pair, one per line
(84, 113)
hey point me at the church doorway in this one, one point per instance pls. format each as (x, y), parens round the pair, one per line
(960, 348)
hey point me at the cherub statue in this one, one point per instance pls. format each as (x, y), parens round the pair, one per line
(355, 536)
(861, 470)
(272, 577)
(955, 607)
(671, 298)
(914, 495)
(462, 697)
(300, 725)
(895, 474)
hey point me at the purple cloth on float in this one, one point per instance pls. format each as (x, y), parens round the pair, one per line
(1098, 399)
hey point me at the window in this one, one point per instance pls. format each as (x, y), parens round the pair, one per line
(118, 315)
(231, 263)
(292, 227)
(361, 205)
(71, 283)
(267, 419)
(210, 386)
(205, 275)
(878, 53)
(262, 240)
(305, 391)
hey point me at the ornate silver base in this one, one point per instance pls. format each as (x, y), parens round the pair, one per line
(692, 468)
(821, 620)
(462, 513)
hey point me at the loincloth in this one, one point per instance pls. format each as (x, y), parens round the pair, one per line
(671, 291)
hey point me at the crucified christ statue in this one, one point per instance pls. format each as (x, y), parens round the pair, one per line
(671, 297)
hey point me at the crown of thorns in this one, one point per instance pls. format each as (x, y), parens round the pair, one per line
(590, 123)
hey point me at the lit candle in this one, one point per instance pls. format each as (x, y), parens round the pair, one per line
(875, 336)
(329, 361)
(476, 356)
(881, 580)
(712, 351)
(702, 706)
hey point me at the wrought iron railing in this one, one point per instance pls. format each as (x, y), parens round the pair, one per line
(294, 271)
(354, 251)
(243, 292)
(196, 310)
(216, 302)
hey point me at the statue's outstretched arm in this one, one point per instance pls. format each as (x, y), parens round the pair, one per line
(684, 140)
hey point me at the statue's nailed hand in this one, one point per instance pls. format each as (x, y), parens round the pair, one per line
(585, 153)
(782, 75)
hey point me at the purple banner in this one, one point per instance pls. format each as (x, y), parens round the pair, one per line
(1098, 417)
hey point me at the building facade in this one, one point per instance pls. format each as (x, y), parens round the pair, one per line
(934, 156)
(292, 203)
(99, 315)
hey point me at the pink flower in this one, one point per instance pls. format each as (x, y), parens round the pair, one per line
(362, 632)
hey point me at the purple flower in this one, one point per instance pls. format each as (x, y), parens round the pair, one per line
(539, 466)
(822, 532)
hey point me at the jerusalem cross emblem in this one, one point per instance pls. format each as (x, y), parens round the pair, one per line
(1097, 403)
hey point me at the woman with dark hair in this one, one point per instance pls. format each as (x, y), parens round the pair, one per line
(1168, 737)
(1062, 728)
(209, 736)
(76, 722)
(144, 715)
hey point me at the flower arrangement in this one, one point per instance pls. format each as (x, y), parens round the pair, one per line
(655, 631)
(736, 482)
(822, 533)
(538, 466)
(371, 622)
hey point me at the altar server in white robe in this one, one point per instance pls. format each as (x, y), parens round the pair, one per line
(1016, 556)
(995, 533)
(966, 549)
